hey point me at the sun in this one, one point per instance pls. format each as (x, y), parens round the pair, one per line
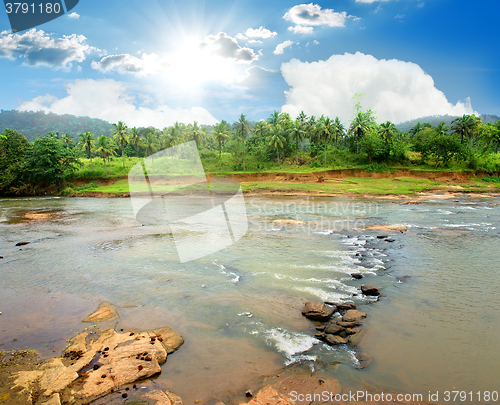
(192, 66)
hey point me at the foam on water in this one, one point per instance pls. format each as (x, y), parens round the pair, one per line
(291, 343)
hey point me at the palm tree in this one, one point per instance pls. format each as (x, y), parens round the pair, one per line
(441, 128)
(325, 130)
(338, 130)
(360, 125)
(106, 147)
(119, 132)
(67, 139)
(415, 129)
(135, 139)
(274, 118)
(151, 144)
(297, 132)
(260, 128)
(243, 128)
(387, 131)
(465, 126)
(198, 134)
(87, 143)
(220, 135)
(276, 139)
(302, 117)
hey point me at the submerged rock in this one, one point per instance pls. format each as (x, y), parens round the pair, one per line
(22, 243)
(317, 311)
(370, 290)
(105, 312)
(363, 359)
(357, 276)
(400, 228)
(335, 340)
(389, 239)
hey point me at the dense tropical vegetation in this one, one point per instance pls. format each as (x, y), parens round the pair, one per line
(276, 143)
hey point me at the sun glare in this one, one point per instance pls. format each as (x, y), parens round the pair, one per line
(190, 66)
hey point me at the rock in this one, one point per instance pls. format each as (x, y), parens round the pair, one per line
(363, 359)
(122, 358)
(317, 311)
(170, 339)
(346, 306)
(333, 329)
(370, 290)
(155, 397)
(357, 276)
(400, 228)
(320, 327)
(334, 340)
(249, 393)
(288, 222)
(22, 243)
(353, 315)
(310, 386)
(320, 335)
(349, 324)
(105, 312)
(53, 400)
(358, 338)
(389, 240)
(1, 257)
(403, 279)
(382, 236)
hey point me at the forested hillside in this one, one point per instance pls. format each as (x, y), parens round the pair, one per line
(35, 124)
(434, 121)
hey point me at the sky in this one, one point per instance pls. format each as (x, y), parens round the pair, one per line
(155, 62)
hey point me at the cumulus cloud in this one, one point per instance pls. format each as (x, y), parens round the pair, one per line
(126, 63)
(110, 100)
(313, 15)
(227, 47)
(74, 15)
(260, 32)
(396, 90)
(300, 29)
(37, 48)
(280, 48)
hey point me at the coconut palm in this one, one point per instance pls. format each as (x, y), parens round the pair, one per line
(243, 128)
(360, 125)
(106, 148)
(387, 131)
(276, 139)
(441, 129)
(415, 129)
(338, 130)
(135, 139)
(67, 139)
(120, 136)
(260, 128)
(325, 131)
(274, 118)
(465, 126)
(197, 134)
(220, 135)
(87, 143)
(298, 133)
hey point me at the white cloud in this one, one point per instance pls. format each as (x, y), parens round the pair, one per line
(240, 36)
(109, 100)
(74, 16)
(254, 41)
(37, 48)
(420, 5)
(226, 47)
(400, 16)
(281, 47)
(300, 29)
(378, 9)
(260, 32)
(126, 63)
(316, 42)
(313, 15)
(396, 90)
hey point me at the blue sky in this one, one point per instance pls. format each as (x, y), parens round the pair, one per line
(155, 62)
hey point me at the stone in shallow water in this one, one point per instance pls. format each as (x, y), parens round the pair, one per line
(370, 290)
(104, 313)
(317, 311)
(353, 315)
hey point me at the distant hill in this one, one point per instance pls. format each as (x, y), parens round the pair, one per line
(434, 120)
(34, 124)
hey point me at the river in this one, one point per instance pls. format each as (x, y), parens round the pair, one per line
(239, 309)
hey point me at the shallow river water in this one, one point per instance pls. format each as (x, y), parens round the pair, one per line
(239, 309)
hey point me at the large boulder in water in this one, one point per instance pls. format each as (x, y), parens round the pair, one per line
(317, 311)
(370, 290)
(353, 315)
